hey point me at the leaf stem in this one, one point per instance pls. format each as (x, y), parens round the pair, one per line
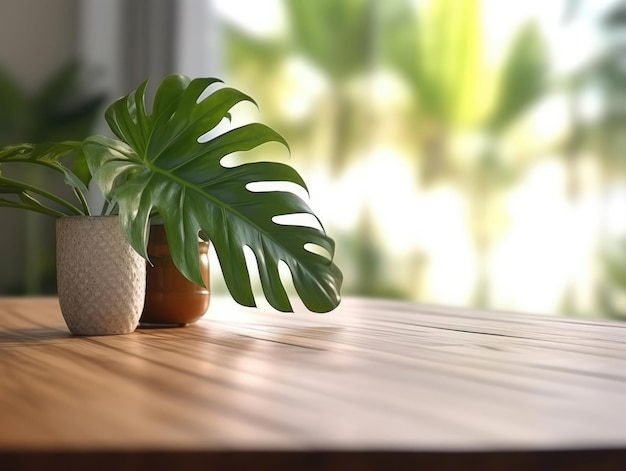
(83, 201)
(6, 153)
(43, 193)
(38, 209)
(105, 207)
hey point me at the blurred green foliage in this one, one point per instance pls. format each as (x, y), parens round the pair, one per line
(438, 50)
(59, 110)
(612, 294)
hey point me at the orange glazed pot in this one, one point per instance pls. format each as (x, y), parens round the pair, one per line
(171, 299)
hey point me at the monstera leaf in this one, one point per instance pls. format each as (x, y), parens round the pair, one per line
(165, 163)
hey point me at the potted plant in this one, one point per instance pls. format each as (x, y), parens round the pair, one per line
(100, 278)
(167, 163)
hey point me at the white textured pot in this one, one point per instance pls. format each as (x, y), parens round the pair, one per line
(101, 280)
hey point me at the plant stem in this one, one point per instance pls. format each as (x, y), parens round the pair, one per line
(43, 193)
(108, 208)
(9, 151)
(31, 202)
(81, 197)
(105, 207)
(114, 209)
(38, 208)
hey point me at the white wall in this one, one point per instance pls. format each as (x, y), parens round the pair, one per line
(37, 37)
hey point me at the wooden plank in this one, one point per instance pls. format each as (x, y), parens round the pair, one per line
(373, 374)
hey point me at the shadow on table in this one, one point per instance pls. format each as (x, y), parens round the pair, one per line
(31, 335)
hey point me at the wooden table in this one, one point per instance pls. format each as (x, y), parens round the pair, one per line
(375, 384)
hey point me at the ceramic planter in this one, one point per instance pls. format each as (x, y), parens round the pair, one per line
(100, 278)
(171, 299)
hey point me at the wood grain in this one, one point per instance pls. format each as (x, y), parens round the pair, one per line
(372, 375)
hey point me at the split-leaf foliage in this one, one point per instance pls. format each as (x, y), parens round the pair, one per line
(169, 163)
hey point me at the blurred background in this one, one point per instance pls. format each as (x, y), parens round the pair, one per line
(460, 152)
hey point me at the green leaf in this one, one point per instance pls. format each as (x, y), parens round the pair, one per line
(80, 170)
(48, 155)
(523, 77)
(9, 188)
(161, 165)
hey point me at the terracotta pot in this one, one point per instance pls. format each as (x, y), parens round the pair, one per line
(100, 278)
(171, 299)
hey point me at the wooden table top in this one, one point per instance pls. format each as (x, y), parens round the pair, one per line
(373, 376)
